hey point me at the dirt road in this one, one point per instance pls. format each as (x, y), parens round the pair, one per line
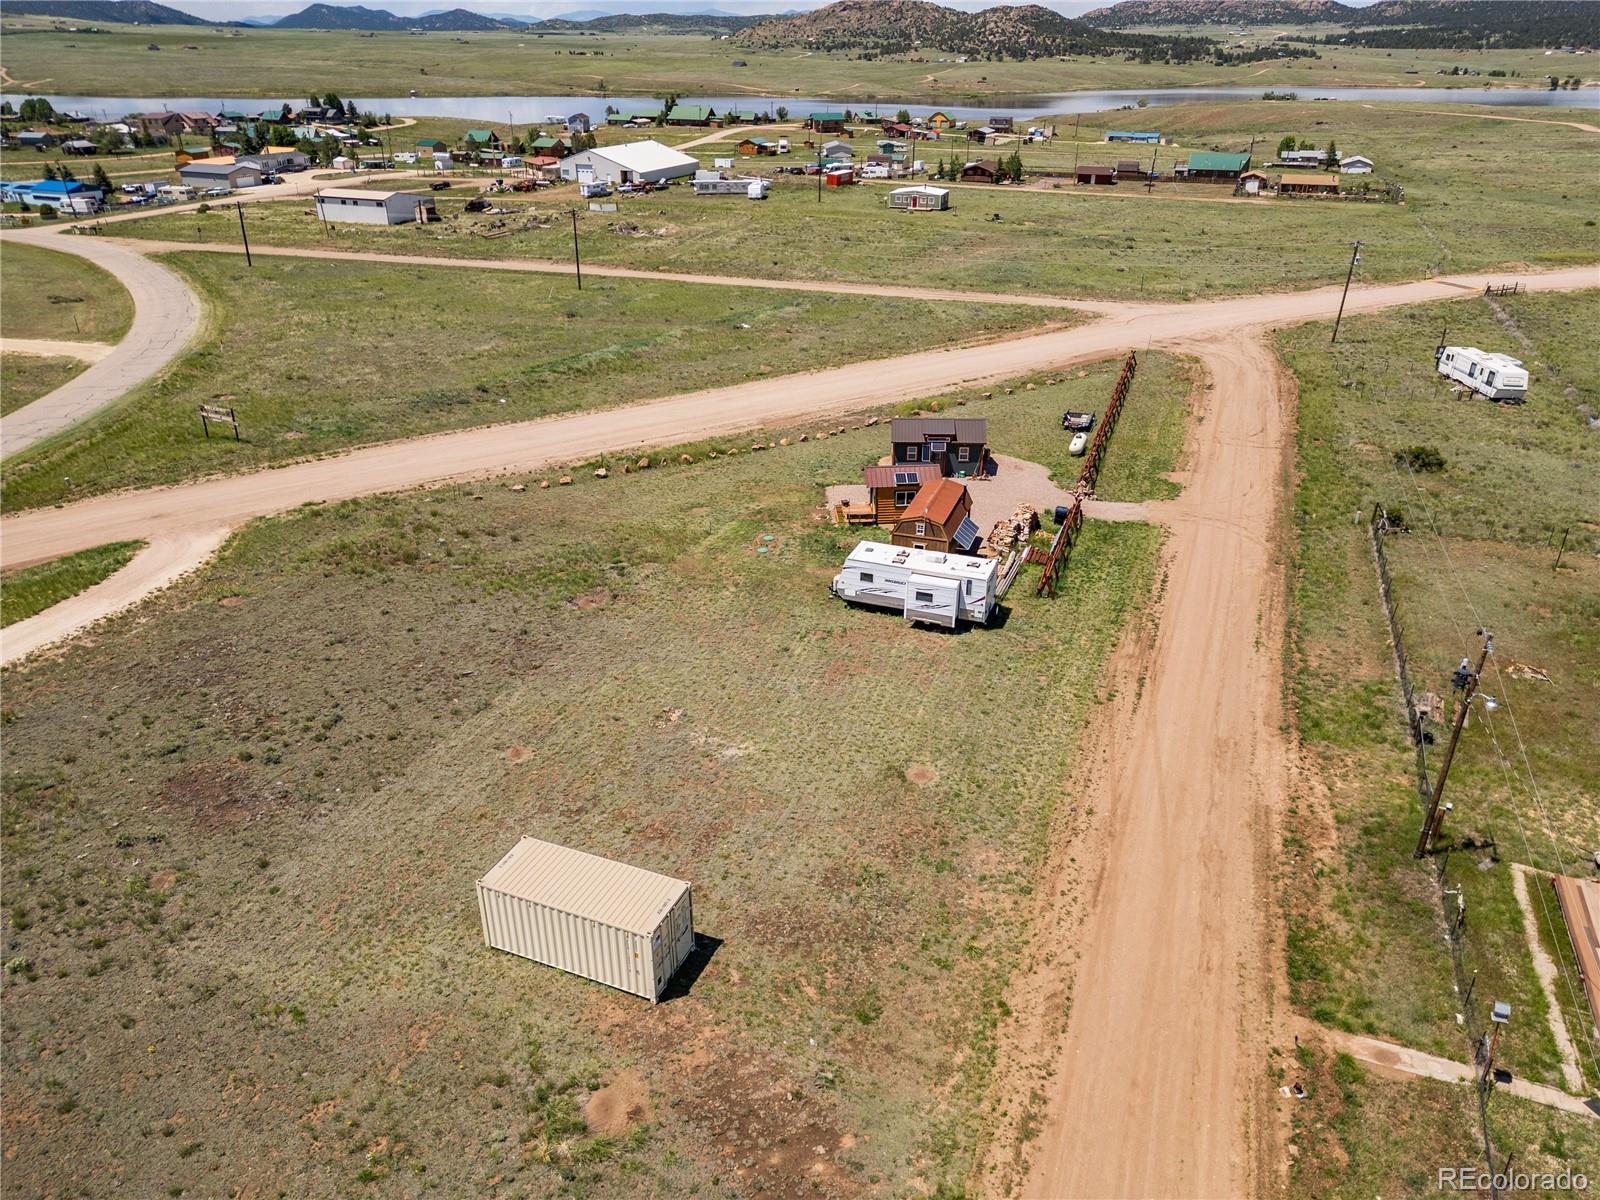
(1158, 1087)
(174, 513)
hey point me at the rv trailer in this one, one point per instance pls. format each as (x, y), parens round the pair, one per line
(1497, 376)
(926, 586)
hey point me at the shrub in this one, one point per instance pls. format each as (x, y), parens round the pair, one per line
(1420, 458)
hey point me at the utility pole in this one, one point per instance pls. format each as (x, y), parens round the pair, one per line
(1435, 815)
(1077, 121)
(1355, 258)
(244, 235)
(577, 263)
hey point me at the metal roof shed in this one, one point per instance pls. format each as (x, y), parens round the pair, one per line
(607, 921)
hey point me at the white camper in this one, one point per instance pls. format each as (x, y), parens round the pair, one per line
(1497, 376)
(928, 586)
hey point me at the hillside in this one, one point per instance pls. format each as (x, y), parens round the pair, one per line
(645, 23)
(329, 16)
(1131, 13)
(1392, 24)
(898, 26)
(109, 12)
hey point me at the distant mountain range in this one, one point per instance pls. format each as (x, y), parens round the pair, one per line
(1409, 24)
(900, 26)
(358, 17)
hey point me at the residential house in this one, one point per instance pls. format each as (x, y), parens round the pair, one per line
(983, 170)
(691, 114)
(549, 147)
(1001, 124)
(920, 197)
(756, 145)
(36, 139)
(78, 146)
(837, 149)
(940, 121)
(740, 116)
(426, 146)
(219, 172)
(1302, 158)
(1129, 168)
(634, 162)
(938, 519)
(1204, 166)
(361, 206)
(1309, 185)
(826, 122)
(633, 118)
(169, 123)
(1356, 164)
(1100, 175)
(578, 123)
(891, 489)
(482, 139)
(957, 445)
(1145, 137)
(982, 133)
(272, 159)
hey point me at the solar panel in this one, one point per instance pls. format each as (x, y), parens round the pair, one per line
(905, 476)
(966, 534)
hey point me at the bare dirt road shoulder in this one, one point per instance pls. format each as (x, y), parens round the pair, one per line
(1159, 1085)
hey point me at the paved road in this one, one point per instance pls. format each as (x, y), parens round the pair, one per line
(165, 316)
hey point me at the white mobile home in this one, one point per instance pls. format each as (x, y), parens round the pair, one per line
(1356, 164)
(920, 197)
(607, 921)
(361, 206)
(635, 162)
(715, 183)
(1497, 376)
(927, 586)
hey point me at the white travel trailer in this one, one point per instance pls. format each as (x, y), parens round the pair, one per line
(1497, 376)
(929, 587)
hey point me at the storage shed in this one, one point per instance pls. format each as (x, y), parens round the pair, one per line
(1309, 185)
(607, 921)
(939, 518)
(1088, 173)
(362, 206)
(219, 172)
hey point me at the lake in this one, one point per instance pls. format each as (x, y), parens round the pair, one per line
(522, 110)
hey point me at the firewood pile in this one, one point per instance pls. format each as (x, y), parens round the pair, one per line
(1010, 532)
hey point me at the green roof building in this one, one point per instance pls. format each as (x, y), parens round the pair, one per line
(691, 114)
(1205, 164)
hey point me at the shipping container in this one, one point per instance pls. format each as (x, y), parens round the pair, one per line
(608, 921)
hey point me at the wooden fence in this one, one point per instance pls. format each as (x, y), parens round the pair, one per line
(1501, 289)
(1055, 559)
(1091, 465)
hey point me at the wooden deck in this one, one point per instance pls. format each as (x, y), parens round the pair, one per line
(1580, 908)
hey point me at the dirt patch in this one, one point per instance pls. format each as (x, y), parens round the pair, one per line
(231, 601)
(217, 795)
(622, 1103)
(161, 882)
(516, 754)
(921, 774)
(598, 598)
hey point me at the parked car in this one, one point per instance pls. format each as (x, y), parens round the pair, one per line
(220, 190)
(440, 186)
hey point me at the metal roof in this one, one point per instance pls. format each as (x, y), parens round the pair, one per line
(201, 166)
(364, 194)
(902, 475)
(955, 429)
(644, 156)
(588, 886)
(1206, 160)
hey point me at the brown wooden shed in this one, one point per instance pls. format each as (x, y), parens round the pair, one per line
(938, 519)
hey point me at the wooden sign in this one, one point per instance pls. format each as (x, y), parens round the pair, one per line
(223, 416)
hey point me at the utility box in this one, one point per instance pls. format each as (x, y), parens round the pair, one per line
(607, 921)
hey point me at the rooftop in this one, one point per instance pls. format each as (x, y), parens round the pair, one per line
(923, 562)
(645, 156)
(598, 889)
(937, 501)
(955, 429)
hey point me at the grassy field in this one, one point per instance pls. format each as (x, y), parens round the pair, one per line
(243, 877)
(26, 377)
(240, 63)
(1366, 940)
(319, 356)
(31, 590)
(60, 296)
(1066, 242)
(1357, 1135)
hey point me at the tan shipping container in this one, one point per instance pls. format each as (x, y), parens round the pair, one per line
(616, 924)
